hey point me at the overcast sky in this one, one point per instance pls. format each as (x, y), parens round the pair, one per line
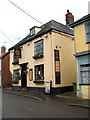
(15, 25)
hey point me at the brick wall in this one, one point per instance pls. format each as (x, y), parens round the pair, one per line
(6, 80)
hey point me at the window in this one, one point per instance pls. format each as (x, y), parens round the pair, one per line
(87, 28)
(38, 47)
(39, 72)
(16, 76)
(57, 66)
(31, 74)
(85, 73)
(32, 31)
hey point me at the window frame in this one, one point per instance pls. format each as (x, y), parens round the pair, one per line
(36, 77)
(57, 68)
(83, 71)
(18, 77)
(86, 32)
(40, 50)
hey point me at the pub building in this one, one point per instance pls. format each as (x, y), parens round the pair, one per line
(43, 61)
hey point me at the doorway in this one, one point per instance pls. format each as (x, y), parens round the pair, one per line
(23, 75)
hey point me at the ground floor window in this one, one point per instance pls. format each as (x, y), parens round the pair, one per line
(57, 67)
(39, 72)
(16, 76)
(85, 73)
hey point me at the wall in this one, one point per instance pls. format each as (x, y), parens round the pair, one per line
(6, 75)
(80, 88)
(80, 38)
(85, 92)
(27, 56)
(67, 59)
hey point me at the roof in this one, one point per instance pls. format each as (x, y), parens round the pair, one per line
(82, 20)
(48, 27)
(3, 55)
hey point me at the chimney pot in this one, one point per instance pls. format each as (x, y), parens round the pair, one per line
(3, 49)
(69, 18)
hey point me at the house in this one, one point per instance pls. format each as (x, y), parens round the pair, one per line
(82, 54)
(43, 61)
(6, 80)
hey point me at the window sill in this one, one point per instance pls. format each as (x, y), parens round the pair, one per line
(87, 42)
(38, 56)
(84, 84)
(15, 63)
(15, 81)
(39, 81)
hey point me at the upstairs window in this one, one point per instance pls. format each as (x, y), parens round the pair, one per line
(38, 47)
(87, 29)
(32, 31)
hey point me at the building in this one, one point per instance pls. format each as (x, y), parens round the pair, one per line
(6, 80)
(82, 54)
(43, 59)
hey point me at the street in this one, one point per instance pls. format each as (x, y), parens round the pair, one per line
(22, 107)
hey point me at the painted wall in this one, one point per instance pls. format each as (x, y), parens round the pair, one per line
(80, 38)
(81, 92)
(80, 46)
(67, 60)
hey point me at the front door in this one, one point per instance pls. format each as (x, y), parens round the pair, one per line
(24, 75)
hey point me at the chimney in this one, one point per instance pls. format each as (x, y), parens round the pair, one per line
(3, 49)
(69, 18)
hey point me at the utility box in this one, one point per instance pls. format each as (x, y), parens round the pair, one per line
(48, 86)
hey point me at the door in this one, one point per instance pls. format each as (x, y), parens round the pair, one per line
(24, 75)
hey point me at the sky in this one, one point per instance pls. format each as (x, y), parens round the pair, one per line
(15, 25)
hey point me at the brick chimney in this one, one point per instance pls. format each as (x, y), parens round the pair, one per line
(69, 18)
(3, 49)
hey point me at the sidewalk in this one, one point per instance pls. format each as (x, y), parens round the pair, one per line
(67, 98)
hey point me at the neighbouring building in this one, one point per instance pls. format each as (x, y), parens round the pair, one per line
(82, 54)
(6, 80)
(44, 56)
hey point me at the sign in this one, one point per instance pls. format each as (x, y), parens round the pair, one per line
(48, 86)
(31, 74)
(17, 53)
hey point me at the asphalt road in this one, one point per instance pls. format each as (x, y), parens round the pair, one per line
(22, 107)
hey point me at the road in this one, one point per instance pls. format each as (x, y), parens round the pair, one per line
(22, 107)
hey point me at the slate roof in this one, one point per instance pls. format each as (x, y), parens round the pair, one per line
(48, 27)
(81, 20)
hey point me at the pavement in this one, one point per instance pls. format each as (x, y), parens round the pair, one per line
(66, 98)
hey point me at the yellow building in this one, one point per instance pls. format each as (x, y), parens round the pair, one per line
(82, 54)
(43, 58)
